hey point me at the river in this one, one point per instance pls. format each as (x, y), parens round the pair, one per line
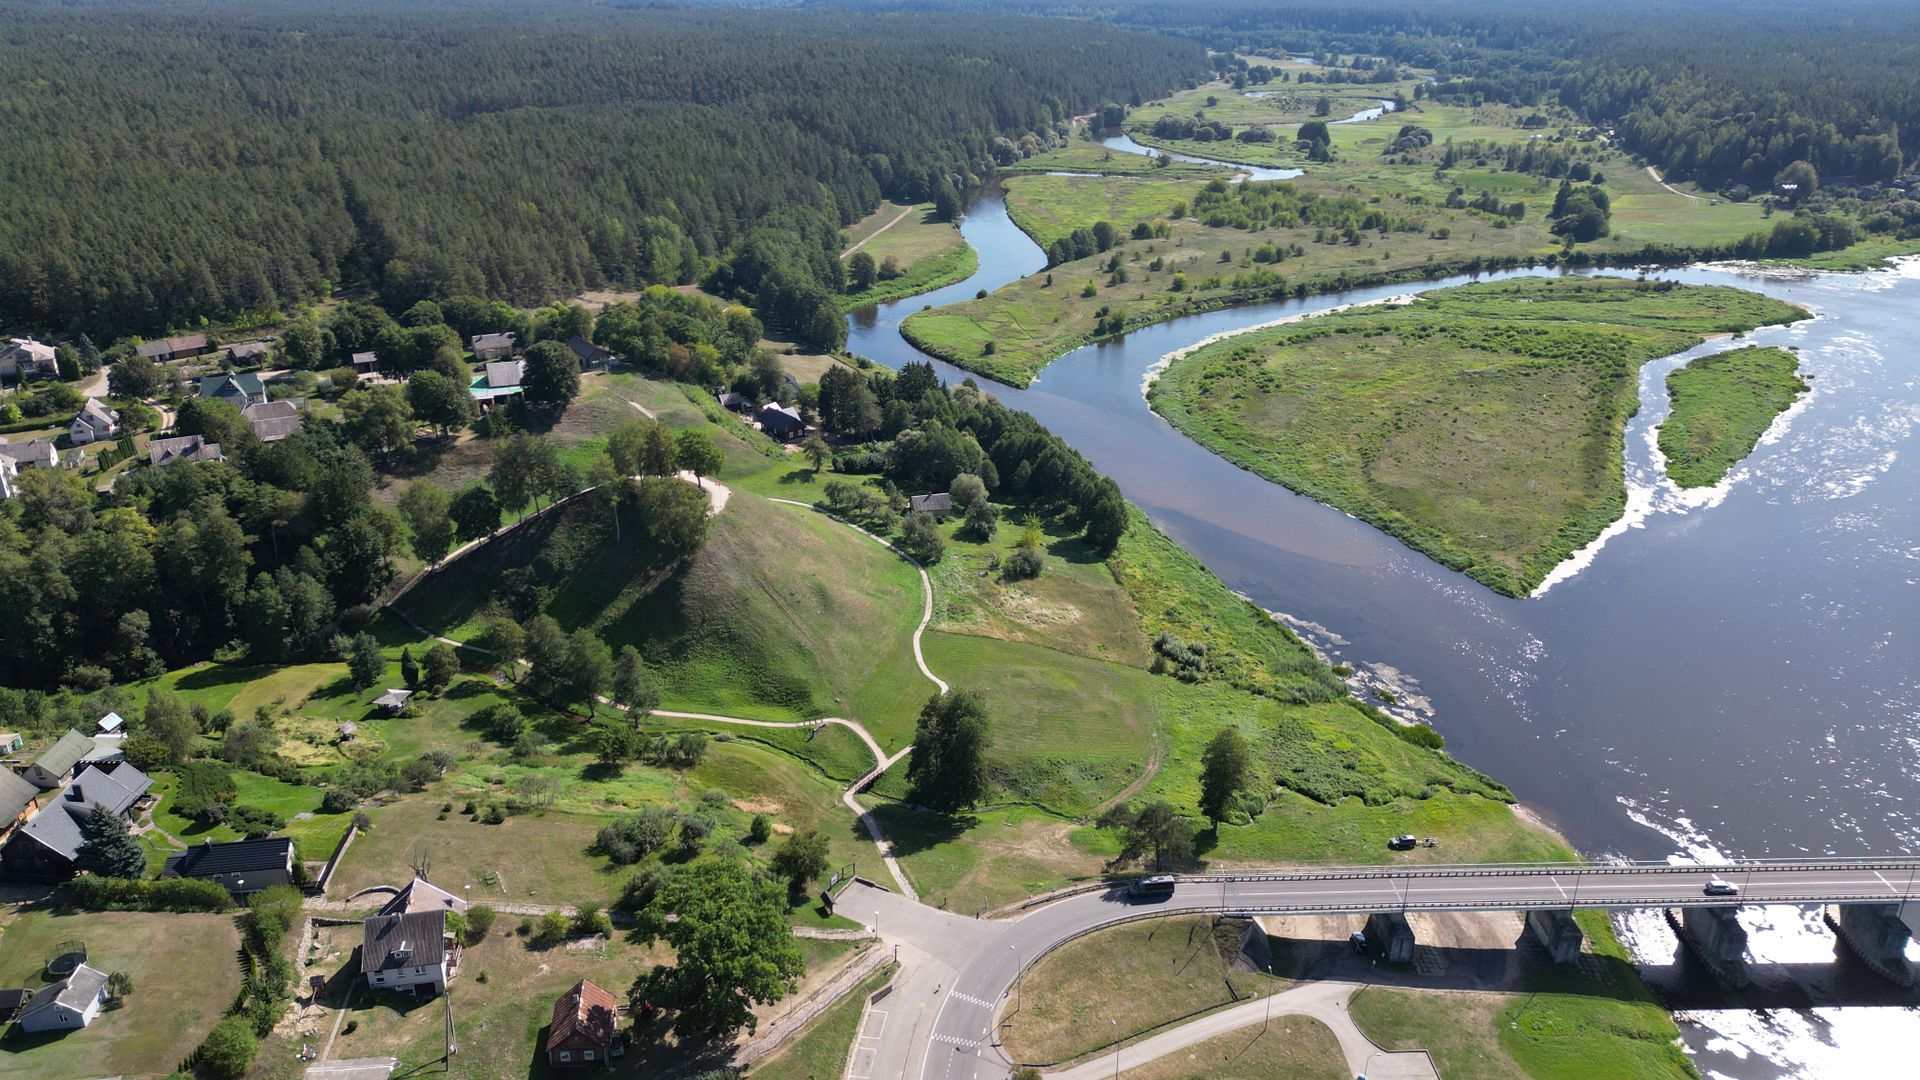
(1728, 674)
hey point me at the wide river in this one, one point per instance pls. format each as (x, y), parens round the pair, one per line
(1734, 673)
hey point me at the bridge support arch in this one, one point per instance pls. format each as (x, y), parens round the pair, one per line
(1556, 932)
(1878, 936)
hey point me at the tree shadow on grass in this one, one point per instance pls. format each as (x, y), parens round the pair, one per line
(912, 830)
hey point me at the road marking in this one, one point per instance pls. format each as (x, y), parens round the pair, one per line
(971, 1000)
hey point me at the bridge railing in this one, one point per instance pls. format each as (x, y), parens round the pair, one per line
(1404, 870)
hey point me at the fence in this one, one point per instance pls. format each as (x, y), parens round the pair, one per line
(326, 872)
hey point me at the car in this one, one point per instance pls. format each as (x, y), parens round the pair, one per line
(1358, 939)
(1717, 887)
(1152, 888)
(1404, 843)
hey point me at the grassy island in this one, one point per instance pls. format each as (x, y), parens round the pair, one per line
(1481, 424)
(1722, 404)
(913, 251)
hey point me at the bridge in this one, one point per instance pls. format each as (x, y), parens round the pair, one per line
(1869, 902)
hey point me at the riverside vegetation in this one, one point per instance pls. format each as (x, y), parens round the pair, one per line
(1479, 424)
(1722, 404)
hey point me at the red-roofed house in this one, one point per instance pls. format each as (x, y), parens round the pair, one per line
(584, 1028)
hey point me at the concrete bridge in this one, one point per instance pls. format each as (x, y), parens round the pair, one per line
(945, 1029)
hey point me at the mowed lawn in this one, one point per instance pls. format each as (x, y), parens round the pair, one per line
(538, 858)
(185, 974)
(1122, 982)
(1294, 1047)
(1481, 425)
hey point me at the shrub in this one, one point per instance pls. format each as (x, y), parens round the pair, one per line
(590, 921)
(642, 887)
(629, 839)
(129, 894)
(479, 920)
(1023, 564)
(228, 1049)
(553, 929)
(760, 830)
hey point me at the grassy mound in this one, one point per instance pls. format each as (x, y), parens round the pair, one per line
(1722, 404)
(1480, 425)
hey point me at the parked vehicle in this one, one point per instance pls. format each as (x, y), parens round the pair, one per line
(1404, 843)
(1358, 939)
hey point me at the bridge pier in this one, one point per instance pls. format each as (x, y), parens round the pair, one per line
(1878, 936)
(1717, 940)
(1388, 931)
(1556, 931)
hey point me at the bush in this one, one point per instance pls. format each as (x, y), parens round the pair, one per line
(590, 921)
(337, 801)
(553, 929)
(629, 839)
(480, 919)
(129, 894)
(1021, 565)
(760, 830)
(228, 1049)
(642, 887)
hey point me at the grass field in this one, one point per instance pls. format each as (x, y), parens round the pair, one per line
(978, 862)
(1087, 156)
(820, 1051)
(164, 1018)
(1722, 404)
(1480, 425)
(926, 252)
(1122, 982)
(1295, 1047)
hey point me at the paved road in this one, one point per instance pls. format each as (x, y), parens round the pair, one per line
(988, 956)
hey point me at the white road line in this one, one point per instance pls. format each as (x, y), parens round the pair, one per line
(876, 1023)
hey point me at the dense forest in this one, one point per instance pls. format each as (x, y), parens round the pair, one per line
(1715, 91)
(169, 161)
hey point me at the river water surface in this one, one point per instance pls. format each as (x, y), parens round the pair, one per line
(1730, 673)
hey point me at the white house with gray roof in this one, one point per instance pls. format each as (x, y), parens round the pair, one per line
(24, 356)
(95, 423)
(72, 1002)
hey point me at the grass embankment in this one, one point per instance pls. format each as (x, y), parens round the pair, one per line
(1722, 404)
(1481, 425)
(159, 1024)
(1084, 155)
(926, 252)
(1123, 982)
(820, 1052)
(1295, 1047)
(1593, 1022)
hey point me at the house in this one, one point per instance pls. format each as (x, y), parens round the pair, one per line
(242, 389)
(24, 356)
(32, 454)
(733, 402)
(108, 751)
(72, 1002)
(407, 952)
(183, 448)
(780, 421)
(366, 363)
(502, 379)
(492, 346)
(95, 423)
(44, 848)
(55, 764)
(939, 504)
(423, 895)
(392, 701)
(249, 352)
(18, 798)
(583, 1031)
(273, 420)
(591, 355)
(242, 866)
(9, 477)
(11, 1000)
(175, 348)
(10, 741)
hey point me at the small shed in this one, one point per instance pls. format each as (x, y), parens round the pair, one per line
(10, 741)
(111, 723)
(780, 421)
(392, 701)
(939, 504)
(348, 730)
(365, 363)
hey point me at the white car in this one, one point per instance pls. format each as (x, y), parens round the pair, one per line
(1717, 887)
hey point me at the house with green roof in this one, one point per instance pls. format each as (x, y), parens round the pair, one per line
(55, 765)
(241, 389)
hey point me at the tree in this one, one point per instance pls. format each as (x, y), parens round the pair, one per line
(627, 446)
(503, 638)
(439, 666)
(552, 378)
(656, 457)
(633, 690)
(213, 420)
(1226, 770)
(616, 744)
(426, 510)
(107, 847)
(440, 401)
(1156, 827)
(228, 1049)
(966, 490)
(673, 514)
(365, 662)
(134, 379)
(693, 450)
(948, 767)
(1804, 178)
(731, 945)
(378, 419)
(589, 669)
(546, 652)
(802, 858)
(523, 468)
(817, 452)
(861, 271)
(119, 987)
(982, 519)
(921, 540)
(760, 829)
(475, 513)
(169, 720)
(409, 669)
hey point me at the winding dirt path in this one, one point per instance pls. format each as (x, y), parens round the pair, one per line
(719, 495)
(1655, 173)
